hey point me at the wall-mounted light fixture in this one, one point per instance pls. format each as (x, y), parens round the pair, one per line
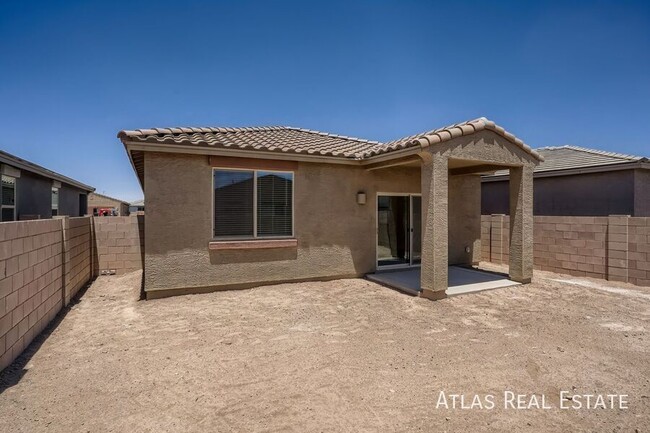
(361, 197)
(467, 249)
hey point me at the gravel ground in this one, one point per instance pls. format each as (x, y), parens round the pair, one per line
(346, 355)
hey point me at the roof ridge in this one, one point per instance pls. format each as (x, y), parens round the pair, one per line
(178, 130)
(449, 132)
(432, 131)
(594, 151)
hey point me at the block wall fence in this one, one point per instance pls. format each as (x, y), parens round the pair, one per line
(44, 264)
(615, 248)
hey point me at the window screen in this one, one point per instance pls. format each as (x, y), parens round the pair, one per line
(8, 203)
(55, 201)
(253, 203)
(274, 204)
(233, 203)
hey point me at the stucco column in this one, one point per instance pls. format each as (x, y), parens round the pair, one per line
(521, 224)
(435, 203)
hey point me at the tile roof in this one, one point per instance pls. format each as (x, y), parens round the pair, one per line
(270, 138)
(574, 157)
(443, 134)
(305, 141)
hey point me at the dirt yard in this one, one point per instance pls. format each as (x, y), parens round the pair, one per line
(342, 356)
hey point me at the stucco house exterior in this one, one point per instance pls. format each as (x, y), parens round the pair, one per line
(30, 191)
(576, 181)
(96, 202)
(233, 208)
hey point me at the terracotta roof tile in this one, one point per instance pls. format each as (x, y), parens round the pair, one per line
(306, 141)
(440, 135)
(558, 158)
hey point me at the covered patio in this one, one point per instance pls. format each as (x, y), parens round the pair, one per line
(451, 162)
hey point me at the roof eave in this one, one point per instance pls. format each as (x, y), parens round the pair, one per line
(631, 165)
(21, 164)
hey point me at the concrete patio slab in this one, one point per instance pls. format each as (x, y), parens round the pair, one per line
(461, 280)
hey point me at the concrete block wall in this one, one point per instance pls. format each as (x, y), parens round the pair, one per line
(44, 263)
(31, 281)
(120, 243)
(616, 248)
(638, 254)
(78, 269)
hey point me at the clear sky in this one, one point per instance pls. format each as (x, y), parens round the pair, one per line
(73, 73)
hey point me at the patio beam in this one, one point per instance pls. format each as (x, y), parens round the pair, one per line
(483, 168)
(393, 163)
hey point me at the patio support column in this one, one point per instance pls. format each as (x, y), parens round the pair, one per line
(521, 224)
(435, 237)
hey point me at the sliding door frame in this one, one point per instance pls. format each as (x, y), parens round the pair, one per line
(410, 264)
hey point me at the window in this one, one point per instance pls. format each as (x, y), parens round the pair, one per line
(8, 198)
(253, 203)
(55, 201)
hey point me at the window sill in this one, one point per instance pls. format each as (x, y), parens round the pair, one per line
(255, 244)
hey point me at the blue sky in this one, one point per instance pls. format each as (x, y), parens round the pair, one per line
(73, 73)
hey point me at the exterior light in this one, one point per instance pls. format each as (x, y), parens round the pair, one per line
(361, 197)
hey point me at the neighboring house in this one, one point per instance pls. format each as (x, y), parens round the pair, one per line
(574, 181)
(30, 191)
(239, 207)
(137, 206)
(99, 202)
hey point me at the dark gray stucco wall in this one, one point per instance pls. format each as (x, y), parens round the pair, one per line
(589, 194)
(69, 201)
(33, 196)
(641, 193)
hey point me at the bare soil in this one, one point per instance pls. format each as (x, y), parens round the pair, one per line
(345, 355)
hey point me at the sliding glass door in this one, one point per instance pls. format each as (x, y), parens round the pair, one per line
(398, 230)
(416, 229)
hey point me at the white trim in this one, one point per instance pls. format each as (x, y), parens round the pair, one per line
(410, 263)
(255, 235)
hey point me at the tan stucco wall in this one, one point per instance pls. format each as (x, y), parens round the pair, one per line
(336, 236)
(98, 201)
(464, 219)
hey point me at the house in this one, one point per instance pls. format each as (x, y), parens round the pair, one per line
(30, 191)
(136, 206)
(99, 202)
(232, 208)
(575, 181)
